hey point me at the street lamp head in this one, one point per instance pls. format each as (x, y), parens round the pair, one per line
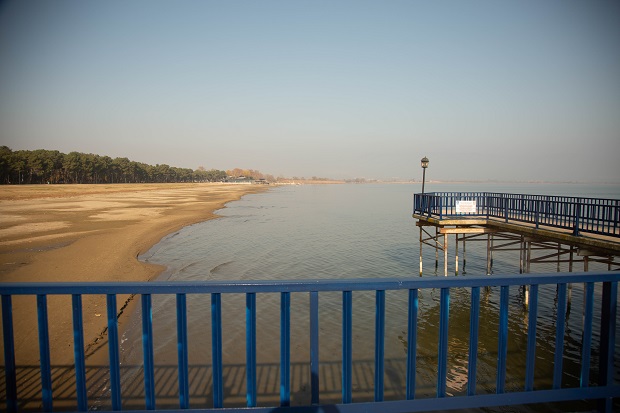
(424, 162)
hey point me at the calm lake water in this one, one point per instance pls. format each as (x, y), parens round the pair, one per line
(342, 231)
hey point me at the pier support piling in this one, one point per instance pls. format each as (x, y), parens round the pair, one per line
(492, 242)
(550, 249)
(464, 255)
(488, 254)
(456, 259)
(521, 254)
(445, 255)
(421, 242)
(436, 249)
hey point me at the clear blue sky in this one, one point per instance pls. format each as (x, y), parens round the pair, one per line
(509, 90)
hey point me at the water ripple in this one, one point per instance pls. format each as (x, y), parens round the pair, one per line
(350, 231)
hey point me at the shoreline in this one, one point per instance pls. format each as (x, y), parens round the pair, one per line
(83, 233)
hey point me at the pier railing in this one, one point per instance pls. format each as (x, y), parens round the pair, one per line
(588, 215)
(599, 287)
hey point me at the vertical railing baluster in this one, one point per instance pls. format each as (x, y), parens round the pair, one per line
(609, 216)
(285, 349)
(182, 351)
(347, 345)
(442, 368)
(531, 338)
(216, 350)
(314, 347)
(609, 309)
(586, 340)
(147, 350)
(431, 204)
(474, 323)
(115, 374)
(9, 354)
(502, 346)
(597, 218)
(616, 218)
(577, 219)
(78, 353)
(441, 208)
(559, 337)
(412, 334)
(250, 348)
(379, 344)
(44, 351)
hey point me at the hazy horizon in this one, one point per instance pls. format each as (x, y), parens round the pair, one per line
(514, 91)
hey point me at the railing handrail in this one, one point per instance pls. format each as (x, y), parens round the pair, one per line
(604, 389)
(320, 285)
(507, 194)
(578, 214)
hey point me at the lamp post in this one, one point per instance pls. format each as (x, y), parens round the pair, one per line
(424, 166)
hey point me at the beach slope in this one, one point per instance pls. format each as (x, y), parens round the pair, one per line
(61, 233)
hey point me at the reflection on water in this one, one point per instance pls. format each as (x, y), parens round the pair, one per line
(345, 231)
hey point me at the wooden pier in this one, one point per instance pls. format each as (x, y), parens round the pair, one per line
(566, 229)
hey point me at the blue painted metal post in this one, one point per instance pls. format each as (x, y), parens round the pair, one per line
(314, 347)
(412, 333)
(441, 208)
(531, 338)
(44, 351)
(379, 344)
(147, 350)
(285, 349)
(442, 365)
(216, 350)
(559, 337)
(430, 204)
(182, 351)
(474, 323)
(586, 345)
(486, 204)
(609, 309)
(616, 216)
(577, 218)
(250, 349)
(9, 354)
(115, 374)
(347, 345)
(78, 353)
(502, 346)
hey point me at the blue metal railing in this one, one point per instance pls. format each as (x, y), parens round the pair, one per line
(589, 215)
(604, 390)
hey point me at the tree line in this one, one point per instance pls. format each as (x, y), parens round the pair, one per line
(250, 174)
(43, 166)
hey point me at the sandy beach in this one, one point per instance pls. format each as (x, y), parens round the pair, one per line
(65, 233)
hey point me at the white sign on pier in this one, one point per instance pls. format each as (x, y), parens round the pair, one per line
(465, 207)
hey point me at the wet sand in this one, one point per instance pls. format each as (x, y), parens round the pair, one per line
(61, 233)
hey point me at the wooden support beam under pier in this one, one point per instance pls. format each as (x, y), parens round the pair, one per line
(525, 238)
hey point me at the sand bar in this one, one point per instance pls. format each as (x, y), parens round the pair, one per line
(61, 233)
